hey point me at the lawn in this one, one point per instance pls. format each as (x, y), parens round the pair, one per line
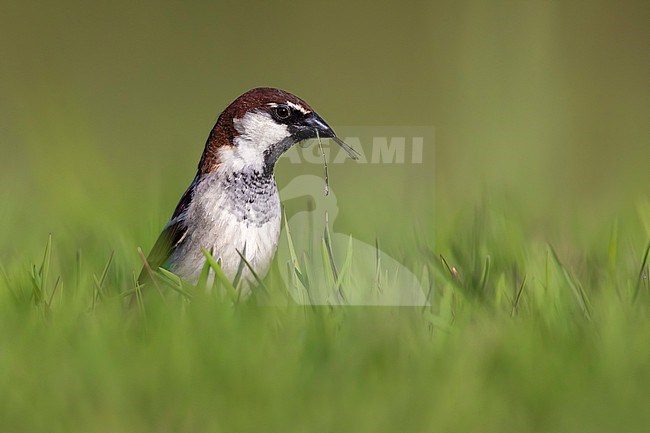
(517, 337)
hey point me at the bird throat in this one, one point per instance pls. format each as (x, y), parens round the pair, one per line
(274, 152)
(252, 195)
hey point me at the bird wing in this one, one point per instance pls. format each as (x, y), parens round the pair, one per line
(172, 235)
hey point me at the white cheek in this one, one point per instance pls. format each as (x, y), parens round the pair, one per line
(257, 132)
(235, 159)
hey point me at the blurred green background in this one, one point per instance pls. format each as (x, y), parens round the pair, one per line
(106, 106)
(540, 111)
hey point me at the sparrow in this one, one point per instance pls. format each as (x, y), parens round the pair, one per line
(233, 206)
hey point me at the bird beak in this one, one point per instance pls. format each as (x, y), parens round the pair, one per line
(315, 127)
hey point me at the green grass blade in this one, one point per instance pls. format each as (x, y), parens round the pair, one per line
(250, 268)
(292, 250)
(574, 284)
(345, 269)
(204, 275)
(486, 274)
(515, 304)
(175, 283)
(328, 248)
(613, 246)
(240, 269)
(45, 266)
(643, 271)
(219, 275)
(329, 271)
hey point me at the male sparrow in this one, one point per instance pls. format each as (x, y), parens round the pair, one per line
(232, 206)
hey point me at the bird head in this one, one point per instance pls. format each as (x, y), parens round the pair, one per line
(258, 127)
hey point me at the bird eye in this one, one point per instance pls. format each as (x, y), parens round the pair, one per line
(282, 112)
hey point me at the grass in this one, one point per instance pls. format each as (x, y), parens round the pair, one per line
(517, 337)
